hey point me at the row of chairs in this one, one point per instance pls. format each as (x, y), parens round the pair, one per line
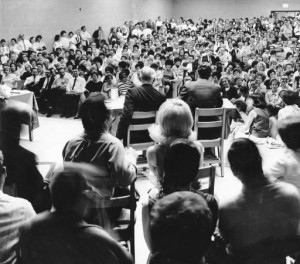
(217, 143)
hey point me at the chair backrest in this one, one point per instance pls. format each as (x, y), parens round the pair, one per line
(140, 127)
(205, 173)
(127, 201)
(220, 114)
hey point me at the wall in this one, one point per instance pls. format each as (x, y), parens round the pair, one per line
(49, 17)
(229, 8)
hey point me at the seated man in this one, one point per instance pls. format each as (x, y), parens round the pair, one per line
(14, 212)
(256, 221)
(74, 96)
(203, 94)
(34, 83)
(62, 236)
(143, 98)
(186, 236)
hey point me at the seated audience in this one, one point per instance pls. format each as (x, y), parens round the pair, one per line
(256, 222)
(62, 236)
(98, 147)
(14, 212)
(186, 236)
(143, 98)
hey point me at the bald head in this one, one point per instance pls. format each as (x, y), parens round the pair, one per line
(147, 75)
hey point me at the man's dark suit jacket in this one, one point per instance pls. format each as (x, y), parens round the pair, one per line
(143, 98)
(202, 94)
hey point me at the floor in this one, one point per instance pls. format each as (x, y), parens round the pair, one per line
(51, 136)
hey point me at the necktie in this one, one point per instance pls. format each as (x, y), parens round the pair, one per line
(24, 45)
(47, 83)
(74, 83)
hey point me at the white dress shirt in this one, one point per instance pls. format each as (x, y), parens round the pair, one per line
(77, 85)
(24, 45)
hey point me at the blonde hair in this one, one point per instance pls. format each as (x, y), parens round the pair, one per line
(174, 120)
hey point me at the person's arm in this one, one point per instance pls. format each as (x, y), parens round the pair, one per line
(267, 98)
(245, 128)
(146, 222)
(122, 163)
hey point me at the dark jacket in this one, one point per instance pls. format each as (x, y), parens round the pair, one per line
(203, 94)
(143, 98)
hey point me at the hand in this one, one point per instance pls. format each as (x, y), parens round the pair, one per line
(131, 155)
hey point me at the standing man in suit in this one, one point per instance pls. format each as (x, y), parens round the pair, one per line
(143, 98)
(202, 93)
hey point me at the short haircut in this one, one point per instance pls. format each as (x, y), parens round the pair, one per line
(258, 100)
(204, 71)
(241, 105)
(94, 113)
(216, 74)
(70, 183)
(147, 74)
(181, 226)
(181, 164)
(270, 71)
(289, 97)
(289, 131)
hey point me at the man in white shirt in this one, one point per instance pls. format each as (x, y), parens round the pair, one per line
(14, 212)
(85, 37)
(23, 43)
(74, 96)
(32, 83)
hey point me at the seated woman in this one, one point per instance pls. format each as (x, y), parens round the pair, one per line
(257, 222)
(257, 121)
(98, 147)
(273, 120)
(94, 86)
(175, 121)
(9, 78)
(181, 166)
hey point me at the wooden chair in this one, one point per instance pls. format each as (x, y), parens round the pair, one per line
(122, 229)
(204, 174)
(140, 127)
(212, 143)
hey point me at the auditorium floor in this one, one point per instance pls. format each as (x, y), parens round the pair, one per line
(53, 133)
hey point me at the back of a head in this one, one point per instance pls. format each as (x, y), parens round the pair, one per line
(258, 100)
(175, 119)
(289, 131)
(289, 97)
(245, 160)
(147, 75)
(204, 71)
(181, 164)
(94, 114)
(69, 185)
(180, 227)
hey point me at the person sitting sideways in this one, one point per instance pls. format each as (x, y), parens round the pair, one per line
(260, 223)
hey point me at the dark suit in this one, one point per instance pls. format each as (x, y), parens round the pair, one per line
(45, 98)
(203, 94)
(143, 98)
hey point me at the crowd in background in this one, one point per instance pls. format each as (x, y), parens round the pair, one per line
(253, 62)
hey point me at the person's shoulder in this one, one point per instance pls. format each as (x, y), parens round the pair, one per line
(17, 202)
(285, 190)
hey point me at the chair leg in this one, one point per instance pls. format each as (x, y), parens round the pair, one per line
(30, 131)
(221, 153)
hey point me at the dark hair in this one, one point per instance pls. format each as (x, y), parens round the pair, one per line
(204, 71)
(241, 105)
(56, 38)
(181, 164)
(217, 74)
(181, 226)
(169, 62)
(289, 97)
(94, 114)
(273, 110)
(109, 69)
(270, 71)
(258, 100)
(274, 80)
(289, 131)
(245, 160)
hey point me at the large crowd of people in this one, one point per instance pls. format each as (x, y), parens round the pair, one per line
(172, 67)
